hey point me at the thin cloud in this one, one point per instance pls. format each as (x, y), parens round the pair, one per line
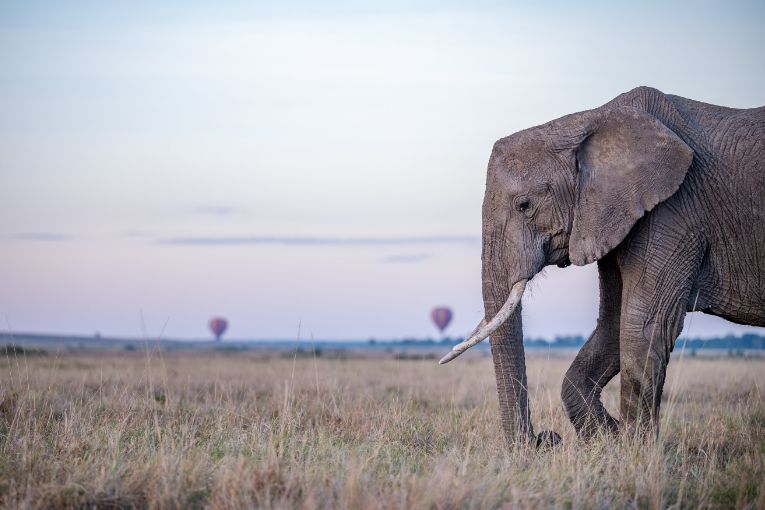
(136, 233)
(215, 210)
(42, 236)
(406, 258)
(317, 241)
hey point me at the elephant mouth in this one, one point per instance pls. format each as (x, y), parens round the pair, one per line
(556, 251)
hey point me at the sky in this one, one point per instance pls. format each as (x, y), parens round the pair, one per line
(304, 168)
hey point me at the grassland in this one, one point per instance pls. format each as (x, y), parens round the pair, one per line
(233, 431)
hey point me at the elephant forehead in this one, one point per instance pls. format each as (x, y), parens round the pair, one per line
(521, 158)
(517, 175)
(505, 188)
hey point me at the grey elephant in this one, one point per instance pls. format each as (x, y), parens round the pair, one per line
(667, 194)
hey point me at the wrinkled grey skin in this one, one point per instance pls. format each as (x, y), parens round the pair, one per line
(667, 195)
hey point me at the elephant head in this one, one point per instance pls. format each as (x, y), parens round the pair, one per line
(567, 191)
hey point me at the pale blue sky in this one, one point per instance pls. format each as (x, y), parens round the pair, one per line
(304, 163)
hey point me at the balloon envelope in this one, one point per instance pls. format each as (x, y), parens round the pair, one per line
(441, 316)
(218, 326)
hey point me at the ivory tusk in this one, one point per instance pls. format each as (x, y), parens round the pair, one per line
(478, 328)
(485, 329)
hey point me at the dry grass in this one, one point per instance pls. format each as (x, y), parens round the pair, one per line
(231, 431)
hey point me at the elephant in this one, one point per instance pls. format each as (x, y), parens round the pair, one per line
(667, 196)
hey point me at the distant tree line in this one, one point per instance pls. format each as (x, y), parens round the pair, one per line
(746, 341)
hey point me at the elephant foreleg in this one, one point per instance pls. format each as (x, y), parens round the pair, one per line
(598, 360)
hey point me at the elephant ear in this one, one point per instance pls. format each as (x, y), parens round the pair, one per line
(627, 163)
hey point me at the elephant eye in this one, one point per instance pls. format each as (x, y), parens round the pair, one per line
(523, 205)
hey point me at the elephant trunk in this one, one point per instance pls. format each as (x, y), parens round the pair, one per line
(509, 363)
(502, 304)
(510, 372)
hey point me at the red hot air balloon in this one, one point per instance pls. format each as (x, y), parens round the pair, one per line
(218, 326)
(441, 316)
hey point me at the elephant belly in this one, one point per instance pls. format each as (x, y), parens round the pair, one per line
(737, 294)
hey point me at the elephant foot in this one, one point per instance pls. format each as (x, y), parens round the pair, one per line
(548, 439)
(597, 425)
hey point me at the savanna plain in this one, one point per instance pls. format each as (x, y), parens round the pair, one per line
(194, 430)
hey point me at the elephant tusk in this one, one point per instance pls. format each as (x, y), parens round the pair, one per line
(485, 329)
(478, 328)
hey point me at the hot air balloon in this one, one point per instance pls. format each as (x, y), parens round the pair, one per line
(441, 316)
(218, 326)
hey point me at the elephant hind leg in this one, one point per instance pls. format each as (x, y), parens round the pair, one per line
(645, 350)
(654, 313)
(598, 360)
(595, 365)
